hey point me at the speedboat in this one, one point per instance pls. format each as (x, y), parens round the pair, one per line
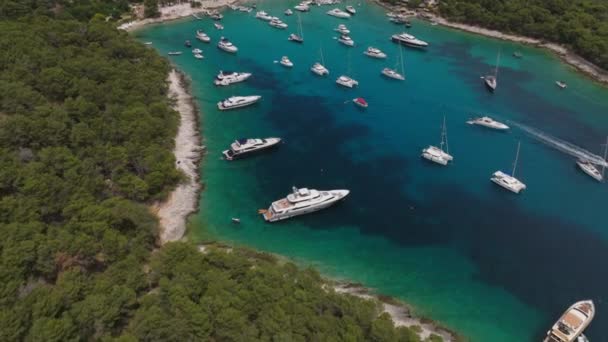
(226, 45)
(263, 16)
(508, 181)
(359, 101)
(195, 51)
(302, 201)
(302, 7)
(338, 13)
(351, 10)
(288, 12)
(491, 83)
(374, 53)
(319, 69)
(342, 29)
(243, 147)
(489, 123)
(225, 78)
(590, 169)
(347, 81)
(217, 16)
(295, 38)
(391, 73)
(409, 40)
(198, 56)
(202, 36)
(346, 40)
(218, 26)
(286, 62)
(174, 53)
(234, 102)
(517, 54)
(572, 323)
(561, 84)
(276, 22)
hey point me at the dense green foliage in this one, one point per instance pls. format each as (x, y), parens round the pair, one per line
(580, 24)
(86, 133)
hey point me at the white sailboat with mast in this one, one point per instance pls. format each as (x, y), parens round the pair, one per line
(319, 68)
(491, 81)
(438, 154)
(508, 181)
(297, 38)
(347, 81)
(591, 169)
(392, 73)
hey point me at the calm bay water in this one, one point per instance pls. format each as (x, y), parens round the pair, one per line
(492, 265)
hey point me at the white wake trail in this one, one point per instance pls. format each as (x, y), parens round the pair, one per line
(562, 145)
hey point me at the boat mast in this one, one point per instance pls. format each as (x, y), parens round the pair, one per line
(605, 154)
(322, 60)
(300, 25)
(516, 157)
(401, 58)
(444, 137)
(497, 62)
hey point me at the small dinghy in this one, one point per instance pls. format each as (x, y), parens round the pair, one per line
(359, 101)
(561, 84)
(236, 220)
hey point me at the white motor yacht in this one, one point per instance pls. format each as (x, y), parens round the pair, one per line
(351, 10)
(319, 69)
(508, 181)
(342, 29)
(302, 201)
(286, 62)
(277, 23)
(302, 7)
(288, 12)
(338, 13)
(488, 122)
(198, 56)
(346, 40)
(202, 36)
(195, 51)
(561, 84)
(409, 40)
(437, 154)
(225, 78)
(263, 16)
(347, 81)
(235, 102)
(218, 26)
(391, 73)
(226, 45)
(374, 53)
(572, 323)
(243, 147)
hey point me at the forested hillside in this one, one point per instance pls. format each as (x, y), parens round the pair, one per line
(86, 133)
(581, 25)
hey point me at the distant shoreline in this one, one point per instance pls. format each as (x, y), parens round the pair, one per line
(581, 65)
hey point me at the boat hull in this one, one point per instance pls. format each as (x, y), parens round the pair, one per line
(309, 210)
(222, 107)
(409, 44)
(251, 153)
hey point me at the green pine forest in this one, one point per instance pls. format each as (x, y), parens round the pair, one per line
(86, 134)
(581, 25)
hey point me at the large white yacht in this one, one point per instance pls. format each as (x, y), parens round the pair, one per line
(302, 7)
(573, 322)
(242, 147)
(234, 102)
(226, 45)
(342, 29)
(391, 73)
(338, 13)
(489, 123)
(437, 154)
(319, 69)
(263, 16)
(225, 78)
(409, 40)
(277, 23)
(346, 40)
(302, 201)
(347, 81)
(374, 53)
(508, 181)
(202, 36)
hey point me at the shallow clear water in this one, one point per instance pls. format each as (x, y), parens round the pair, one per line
(492, 265)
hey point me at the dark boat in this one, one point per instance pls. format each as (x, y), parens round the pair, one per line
(187, 43)
(295, 38)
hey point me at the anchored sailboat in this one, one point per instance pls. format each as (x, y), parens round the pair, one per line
(297, 38)
(507, 181)
(319, 68)
(491, 81)
(437, 154)
(591, 169)
(392, 73)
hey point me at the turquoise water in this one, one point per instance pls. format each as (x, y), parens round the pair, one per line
(492, 265)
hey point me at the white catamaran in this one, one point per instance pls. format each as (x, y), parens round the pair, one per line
(508, 181)
(437, 154)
